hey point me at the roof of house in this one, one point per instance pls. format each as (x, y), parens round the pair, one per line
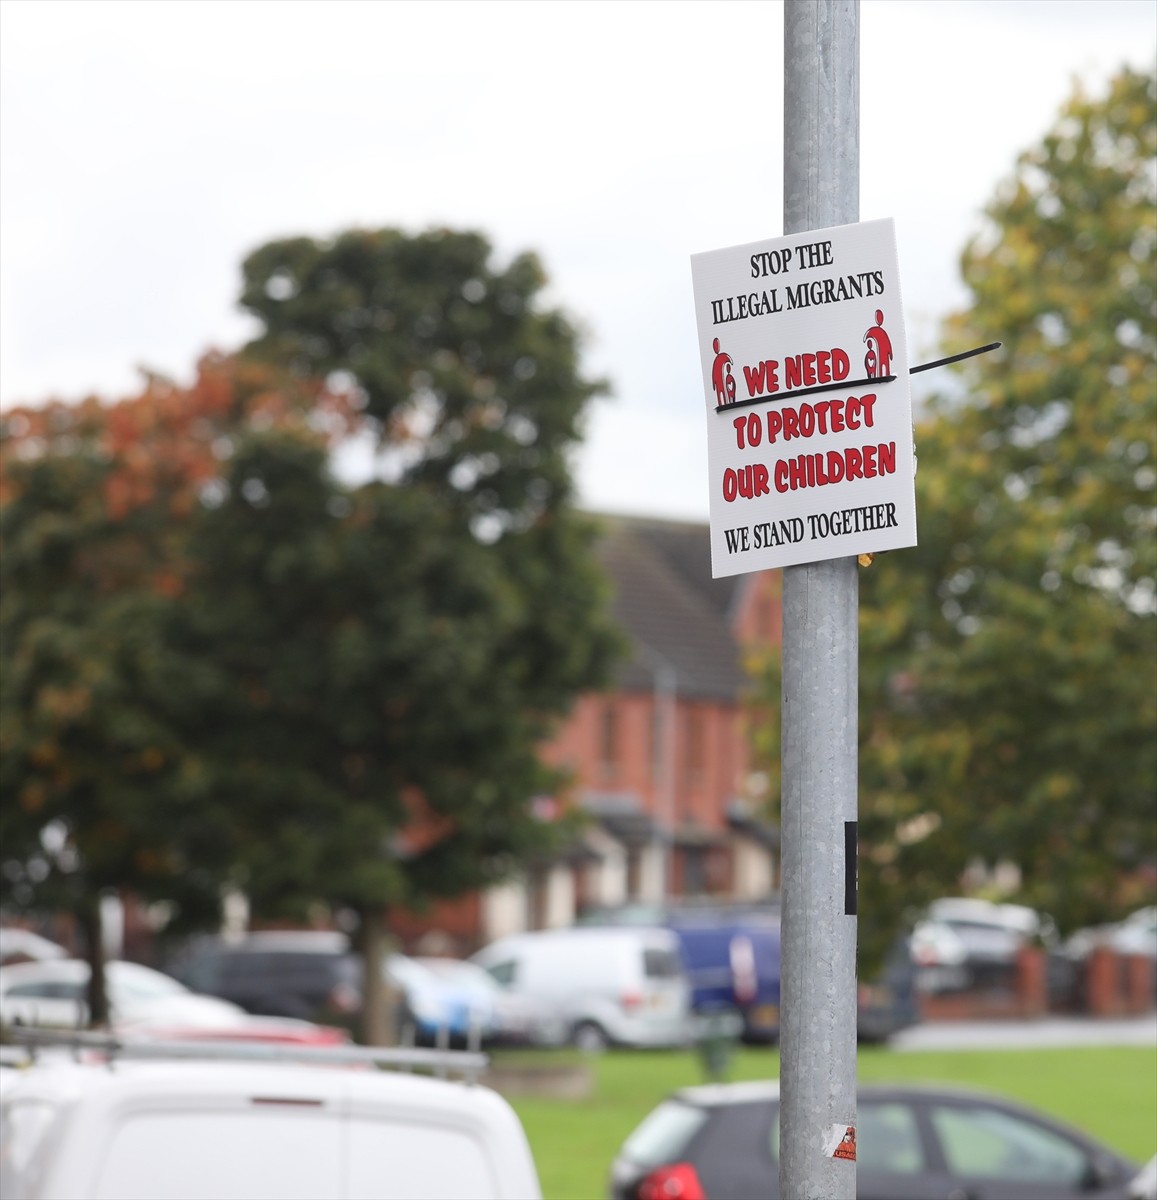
(677, 617)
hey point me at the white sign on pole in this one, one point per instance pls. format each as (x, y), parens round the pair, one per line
(809, 410)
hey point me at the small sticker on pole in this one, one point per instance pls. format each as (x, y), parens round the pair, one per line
(840, 1142)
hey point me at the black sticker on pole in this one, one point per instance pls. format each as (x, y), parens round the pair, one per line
(850, 869)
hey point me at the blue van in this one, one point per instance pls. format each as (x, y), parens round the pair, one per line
(733, 965)
(731, 953)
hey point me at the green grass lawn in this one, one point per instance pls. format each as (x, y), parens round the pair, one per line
(1109, 1092)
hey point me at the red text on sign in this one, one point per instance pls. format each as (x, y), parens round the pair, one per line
(824, 416)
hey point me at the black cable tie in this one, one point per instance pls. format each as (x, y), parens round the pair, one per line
(943, 362)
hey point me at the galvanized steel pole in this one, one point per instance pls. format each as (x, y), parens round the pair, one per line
(821, 155)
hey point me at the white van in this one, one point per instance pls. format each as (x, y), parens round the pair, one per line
(126, 1129)
(622, 986)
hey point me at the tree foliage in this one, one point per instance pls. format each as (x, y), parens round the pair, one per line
(391, 682)
(225, 664)
(416, 636)
(470, 381)
(1009, 663)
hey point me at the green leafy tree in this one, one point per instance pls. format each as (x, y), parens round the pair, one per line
(470, 382)
(401, 649)
(1009, 663)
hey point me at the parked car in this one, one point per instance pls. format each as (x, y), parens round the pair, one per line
(623, 986)
(721, 1142)
(170, 1129)
(309, 974)
(973, 910)
(964, 943)
(53, 993)
(510, 1018)
(315, 975)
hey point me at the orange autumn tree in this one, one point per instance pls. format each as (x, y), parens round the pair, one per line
(105, 782)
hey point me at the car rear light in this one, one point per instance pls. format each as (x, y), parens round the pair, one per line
(678, 1182)
(630, 1001)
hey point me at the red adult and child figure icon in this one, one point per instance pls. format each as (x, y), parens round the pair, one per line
(878, 360)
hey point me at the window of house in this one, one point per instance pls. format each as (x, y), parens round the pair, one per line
(586, 885)
(694, 870)
(718, 869)
(536, 900)
(634, 874)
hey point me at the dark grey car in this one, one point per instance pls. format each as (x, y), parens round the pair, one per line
(721, 1142)
(312, 975)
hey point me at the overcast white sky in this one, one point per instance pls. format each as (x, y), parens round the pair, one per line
(145, 149)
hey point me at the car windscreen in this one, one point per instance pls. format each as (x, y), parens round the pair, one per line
(664, 1134)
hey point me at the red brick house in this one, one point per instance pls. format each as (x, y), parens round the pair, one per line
(660, 762)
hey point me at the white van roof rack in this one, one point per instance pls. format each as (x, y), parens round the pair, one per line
(466, 1064)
